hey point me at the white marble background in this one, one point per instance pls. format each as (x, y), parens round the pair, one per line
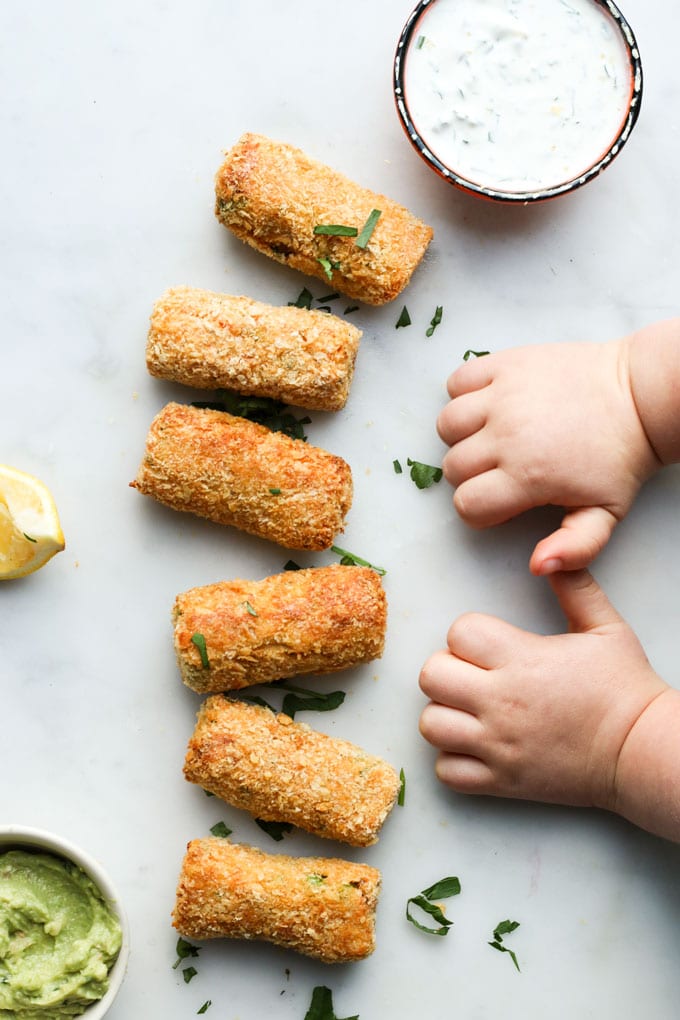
(113, 121)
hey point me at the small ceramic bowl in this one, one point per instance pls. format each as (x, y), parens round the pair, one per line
(26, 838)
(443, 92)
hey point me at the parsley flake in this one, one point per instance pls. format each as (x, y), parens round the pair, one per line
(321, 1006)
(303, 300)
(398, 469)
(28, 537)
(348, 559)
(205, 1007)
(301, 699)
(501, 929)
(249, 608)
(401, 796)
(277, 830)
(436, 319)
(424, 475)
(368, 228)
(275, 492)
(474, 354)
(351, 308)
(328, 265)
(404, 319)
(188, 973)
(291, 565)
(199, 641)
(335, 230)
(440, 890)
(220, 830)
(184, 949)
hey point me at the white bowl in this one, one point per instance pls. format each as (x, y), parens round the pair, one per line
(21, 836)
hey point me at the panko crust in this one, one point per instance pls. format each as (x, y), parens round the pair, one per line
(212, 341)
(317, 620)
(222, 467)
(282, 771)
(272, 195)
(322, 907)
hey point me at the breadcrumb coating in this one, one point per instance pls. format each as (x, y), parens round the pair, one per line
(272, 195)
(234, 471)
(318, 620)
(322, 907)
(212, 341)
(283, 771)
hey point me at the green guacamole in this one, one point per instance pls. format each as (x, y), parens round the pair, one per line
(58, 938)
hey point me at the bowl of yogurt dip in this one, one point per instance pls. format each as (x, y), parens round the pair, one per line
(517, 100)
(64, 939)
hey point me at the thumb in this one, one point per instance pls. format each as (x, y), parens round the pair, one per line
(584, 533)
(583, 602)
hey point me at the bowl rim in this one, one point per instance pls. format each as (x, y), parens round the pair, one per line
(31, 838)
(518, 197)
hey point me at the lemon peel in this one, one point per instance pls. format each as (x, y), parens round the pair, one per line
(30, 532)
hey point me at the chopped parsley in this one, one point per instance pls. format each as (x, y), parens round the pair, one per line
(188, 973)
(348, 559)
(301, 699)
(351, 308)
(277, 830)
(440, 890)
(221, 830)
(419, 42)
(398, 469)
(328, 265)
(424, 475)
(303, 300)
(275, 492)
(368, 228)
(263, 410)
(328, 297)
(404, 319)
(335, 230)
(436, 319)
(199, 641)
(501, 929)
(184, 949)
(205, 1007)
(291, 565)
(474, 354)
(28, 537)
(321, 1006)
(249, 608)
(401, 796)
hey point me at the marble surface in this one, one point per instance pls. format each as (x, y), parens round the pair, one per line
(113, 123)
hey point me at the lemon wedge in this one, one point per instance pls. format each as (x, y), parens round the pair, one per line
(30, 533)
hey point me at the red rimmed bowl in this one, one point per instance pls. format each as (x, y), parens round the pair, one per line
(517, 100)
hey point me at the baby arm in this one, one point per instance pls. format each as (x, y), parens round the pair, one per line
(578, 718)
(575, 425)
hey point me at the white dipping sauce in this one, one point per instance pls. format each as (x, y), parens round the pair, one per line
(517, 95)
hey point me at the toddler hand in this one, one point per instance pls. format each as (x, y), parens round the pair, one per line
(552, 424)
(516, 714)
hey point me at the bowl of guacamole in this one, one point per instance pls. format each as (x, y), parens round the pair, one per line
(63, 933)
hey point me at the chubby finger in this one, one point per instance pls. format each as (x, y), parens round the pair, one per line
(455, 682)
(451, 730)
(467, 459)
(582, 536)
(490, 498)
(464, 773)
(485, 641)
(583, 602)
(472, 375)
(462, 417)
